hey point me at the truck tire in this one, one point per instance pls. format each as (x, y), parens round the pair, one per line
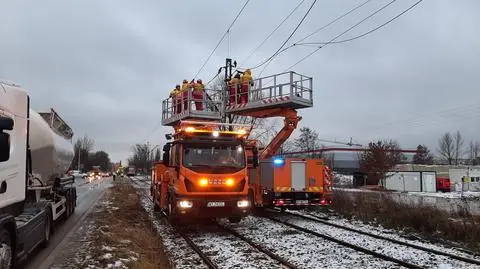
(156, 208)
(6, 249)
(72, 202)
(234, 219)
(172, 209)
(75, 198)
(68, 205)
(48, 227)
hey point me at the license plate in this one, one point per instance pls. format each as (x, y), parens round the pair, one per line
(215, 204)
(301, 202)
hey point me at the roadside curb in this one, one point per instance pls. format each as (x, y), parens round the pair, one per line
(48, 262)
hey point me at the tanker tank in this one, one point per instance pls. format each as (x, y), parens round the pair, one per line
(51, 146)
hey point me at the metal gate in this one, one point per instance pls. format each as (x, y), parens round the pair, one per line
(298, 176)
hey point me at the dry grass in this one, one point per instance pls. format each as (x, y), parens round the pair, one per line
(125, 226)
(433, 223)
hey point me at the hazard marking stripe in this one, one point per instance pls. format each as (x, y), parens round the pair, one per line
(275, 99)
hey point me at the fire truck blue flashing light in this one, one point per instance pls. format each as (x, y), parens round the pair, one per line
(278, 161)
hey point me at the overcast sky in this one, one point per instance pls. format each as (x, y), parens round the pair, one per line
(105, 66)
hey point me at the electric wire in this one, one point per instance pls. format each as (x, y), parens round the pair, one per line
(335, 20)
(285, 42)
(221, 39)
(274, 30)
(364, 34)
(344, 32)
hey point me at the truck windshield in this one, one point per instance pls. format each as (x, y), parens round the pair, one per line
(214, 159)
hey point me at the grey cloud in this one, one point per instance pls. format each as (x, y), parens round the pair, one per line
(106, 65)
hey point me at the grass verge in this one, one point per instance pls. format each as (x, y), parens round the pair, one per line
(432, 223)
(124, 236)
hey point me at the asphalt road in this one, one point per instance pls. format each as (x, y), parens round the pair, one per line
(87, 196)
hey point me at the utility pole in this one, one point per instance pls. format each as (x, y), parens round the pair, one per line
(146, 157)
(228, 77)
(78, 165)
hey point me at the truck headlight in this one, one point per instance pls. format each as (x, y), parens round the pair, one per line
(243, 203)
(185, 204)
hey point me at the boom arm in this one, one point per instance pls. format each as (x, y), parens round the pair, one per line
(290, 124)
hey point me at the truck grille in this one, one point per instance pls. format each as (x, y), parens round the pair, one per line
(236, 188)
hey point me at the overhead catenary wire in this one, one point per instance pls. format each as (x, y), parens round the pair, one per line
(351, 28)
(324, 26)
(334, 20)
(221, 39)
(288, 39)
(364, 34)
(274, 30)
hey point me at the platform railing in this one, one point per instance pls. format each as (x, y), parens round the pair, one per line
(285, 84)
(190, 104)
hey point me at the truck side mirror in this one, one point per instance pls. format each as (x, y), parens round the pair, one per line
(166, 159)
(4, 147)
(166, 155)
(6, 123)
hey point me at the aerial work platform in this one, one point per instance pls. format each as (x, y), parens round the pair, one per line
(188, 107)
(287, 90)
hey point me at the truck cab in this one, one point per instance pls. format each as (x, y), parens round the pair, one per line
(203, 174)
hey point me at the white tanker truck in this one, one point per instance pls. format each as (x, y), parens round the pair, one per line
(35, 153)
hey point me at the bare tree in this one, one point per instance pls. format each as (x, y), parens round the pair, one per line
(380, 157)
(458, 151)
(264, 131)
(446, 147)
(140, 156)
(83, 146)
(308, 141)
(474, 152)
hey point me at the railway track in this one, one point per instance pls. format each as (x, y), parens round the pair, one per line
(204, 251)
(469, 261)
(202, 254)
(208, 262)
(346, 244)
(399, 242)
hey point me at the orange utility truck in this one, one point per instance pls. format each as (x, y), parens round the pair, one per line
(203, 173)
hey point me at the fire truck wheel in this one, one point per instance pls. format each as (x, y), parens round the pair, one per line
(234, 219)
(6, 250)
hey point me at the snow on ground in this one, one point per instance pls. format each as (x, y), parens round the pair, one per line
(408, 254)
(179, 253)
(389, 233)
(302, 249)
(449, 195)
(230, 252)
(352, 189)
(82, 244)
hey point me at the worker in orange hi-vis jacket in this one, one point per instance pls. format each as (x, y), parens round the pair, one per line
(233, 88)
(185, 90)
(173, 95)
(247, 82)
(176, 95)
(198, 92)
